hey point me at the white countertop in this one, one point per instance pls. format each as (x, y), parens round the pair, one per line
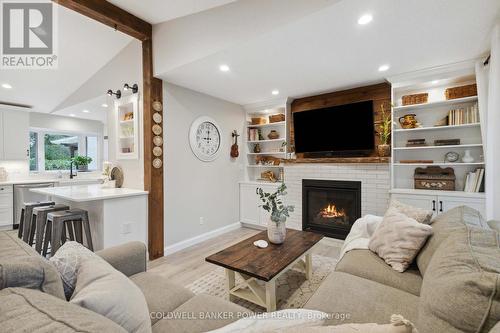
(84, 193)
(62, 181)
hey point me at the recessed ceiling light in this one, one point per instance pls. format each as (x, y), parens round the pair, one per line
(275, 92)
(85, 111)
(365, 19)
(6, 86)
(383, 68)
(72, 115)
(435, 82)
(224, 68)
(104, 105)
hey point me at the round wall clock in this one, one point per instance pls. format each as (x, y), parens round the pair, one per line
(205, 138)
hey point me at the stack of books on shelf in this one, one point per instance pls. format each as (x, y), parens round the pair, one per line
(474, 181)
(469, 115)
(416, 143)
(253, 134)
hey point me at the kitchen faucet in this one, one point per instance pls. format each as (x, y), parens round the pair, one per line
(71, 175)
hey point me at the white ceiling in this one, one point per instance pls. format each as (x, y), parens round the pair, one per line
(327, 50)
(84, 47)
(156, 11)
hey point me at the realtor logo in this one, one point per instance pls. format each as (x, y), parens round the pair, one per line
(28, 35)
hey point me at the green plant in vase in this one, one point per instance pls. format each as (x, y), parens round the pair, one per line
(82, 162)
(384, 132)
(279, 212)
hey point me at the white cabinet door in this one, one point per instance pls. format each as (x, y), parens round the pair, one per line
(447, 203)
(423, 201)
(6, 205)
(249, 209)
(16, 135)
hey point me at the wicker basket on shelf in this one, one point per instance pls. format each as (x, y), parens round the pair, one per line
(415, 99)
(258, 121)
(276, 118)
(461, 92)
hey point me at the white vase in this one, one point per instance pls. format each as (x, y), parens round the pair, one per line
(467, 157)
(276, 232)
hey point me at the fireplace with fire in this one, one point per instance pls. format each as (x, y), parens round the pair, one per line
(330, 207)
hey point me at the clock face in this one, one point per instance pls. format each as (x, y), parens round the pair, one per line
(205, 138)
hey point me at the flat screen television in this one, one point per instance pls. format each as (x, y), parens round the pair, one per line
(335, 131)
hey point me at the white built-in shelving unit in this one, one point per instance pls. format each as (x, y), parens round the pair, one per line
(276, 148)
(434, 82)
(127, 127)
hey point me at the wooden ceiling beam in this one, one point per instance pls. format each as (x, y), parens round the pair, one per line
(112, 16)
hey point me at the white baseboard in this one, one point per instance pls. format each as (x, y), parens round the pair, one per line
(200, 238)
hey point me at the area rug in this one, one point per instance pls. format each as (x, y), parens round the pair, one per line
(292, 289)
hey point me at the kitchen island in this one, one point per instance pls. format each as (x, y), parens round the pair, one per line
(117, 215)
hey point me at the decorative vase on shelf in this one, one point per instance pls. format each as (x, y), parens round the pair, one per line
(467, 157)
(273, 135)
(384, 150)
(276, 232)
(256, 148)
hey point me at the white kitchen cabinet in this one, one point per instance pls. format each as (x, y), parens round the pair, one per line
(441, 202)
(250, 211)
(6, 205)
(15, 135)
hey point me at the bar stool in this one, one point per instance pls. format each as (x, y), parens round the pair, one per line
(38, 223)
(26, 214)
(74, 220)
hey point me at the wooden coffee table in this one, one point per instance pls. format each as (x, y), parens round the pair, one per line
(252, 263)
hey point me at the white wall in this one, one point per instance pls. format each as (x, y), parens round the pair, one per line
(126, 67)
(193, 188)
(65, 124)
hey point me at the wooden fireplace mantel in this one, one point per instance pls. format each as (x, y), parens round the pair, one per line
(353, 160)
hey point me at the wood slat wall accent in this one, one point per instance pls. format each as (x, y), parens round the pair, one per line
(152, 90)
(153, 178)
(110, 15)
(379, 93)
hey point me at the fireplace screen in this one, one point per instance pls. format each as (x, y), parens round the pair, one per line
(331, 207)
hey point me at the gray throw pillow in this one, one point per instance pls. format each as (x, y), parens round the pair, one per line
(33, 272)
(104, 290)
(67, 260)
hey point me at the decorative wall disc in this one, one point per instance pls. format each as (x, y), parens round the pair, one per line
(157, 151)
(158, 140)
(157, 118)
(157, 129)
(157, 163)
(157, 106)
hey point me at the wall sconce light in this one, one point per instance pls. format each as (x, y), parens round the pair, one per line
(134, 87)
(118, 93)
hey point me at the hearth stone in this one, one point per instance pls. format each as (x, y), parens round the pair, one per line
(330, 207)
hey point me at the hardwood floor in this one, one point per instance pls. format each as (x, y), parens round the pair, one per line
(186, 266)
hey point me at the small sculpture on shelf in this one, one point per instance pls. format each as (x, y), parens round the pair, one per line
(256, 148)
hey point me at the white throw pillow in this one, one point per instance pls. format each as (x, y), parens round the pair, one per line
(416, 213)
(278, 320)
(398, 239)
(102, 289)
(398, 325)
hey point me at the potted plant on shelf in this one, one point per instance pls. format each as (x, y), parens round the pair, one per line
(385, 126)
(82, 162)
(273, 203)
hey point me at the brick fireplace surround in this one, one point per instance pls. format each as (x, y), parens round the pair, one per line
(374, 178)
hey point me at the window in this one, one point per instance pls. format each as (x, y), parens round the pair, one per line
(57, 149)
